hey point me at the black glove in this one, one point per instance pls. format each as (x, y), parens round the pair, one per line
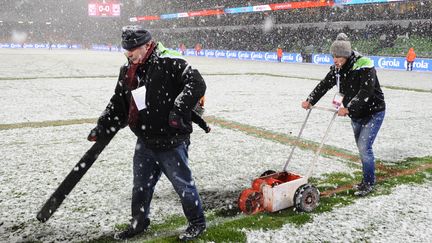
(94, 134)
(207, 129)
(204, 126)
(176, 121)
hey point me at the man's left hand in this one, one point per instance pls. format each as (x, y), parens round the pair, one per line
(343, 112)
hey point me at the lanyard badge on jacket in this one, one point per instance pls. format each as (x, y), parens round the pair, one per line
(338, 97)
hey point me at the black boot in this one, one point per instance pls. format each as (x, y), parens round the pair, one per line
(135, 228)
(360, 185)
(192, 232)
(363, 189)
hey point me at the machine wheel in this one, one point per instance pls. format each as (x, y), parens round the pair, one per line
(258, 183)
(267, 172)
(251, 201)
(306, 198)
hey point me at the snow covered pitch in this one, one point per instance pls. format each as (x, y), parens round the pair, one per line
(41, 86)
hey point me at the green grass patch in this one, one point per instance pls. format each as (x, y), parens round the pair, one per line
(231, 231)
(333, 180)
(230, 227)
(103, 239)
(408, 163)
(171, 223)
(342, 199)
(386, 186)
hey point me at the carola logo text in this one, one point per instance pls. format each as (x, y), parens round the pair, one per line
(318, 59)
(210, 53)
(388, 62)
(270, 56)
(243, 55)
(231, 54)
(299, 58)
(288, 57)
(419, 64)
(257, 55)
(220, 54)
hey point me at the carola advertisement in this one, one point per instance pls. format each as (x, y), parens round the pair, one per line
(420, 64)
(398, 63)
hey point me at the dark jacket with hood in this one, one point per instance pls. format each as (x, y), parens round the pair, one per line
(171, 85)
(359, 85)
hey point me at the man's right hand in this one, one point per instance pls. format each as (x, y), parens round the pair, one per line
(306, 105)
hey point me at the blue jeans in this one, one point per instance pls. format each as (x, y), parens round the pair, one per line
(148, 166)
(365, 131)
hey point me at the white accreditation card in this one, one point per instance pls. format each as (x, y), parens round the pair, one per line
(139, 96)
(337, 100)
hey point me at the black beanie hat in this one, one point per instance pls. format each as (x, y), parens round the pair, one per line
(134, 36)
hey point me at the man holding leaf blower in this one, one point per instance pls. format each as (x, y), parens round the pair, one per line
(155, 96)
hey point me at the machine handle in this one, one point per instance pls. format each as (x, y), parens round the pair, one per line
(334, 111)
(324, 108)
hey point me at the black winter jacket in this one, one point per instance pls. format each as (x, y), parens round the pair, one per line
(358, 83)
(171, 85)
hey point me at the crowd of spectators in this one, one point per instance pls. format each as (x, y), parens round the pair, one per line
(293, 30)
(141, 7)
(290, 38)
(301, 29)
(369, 12)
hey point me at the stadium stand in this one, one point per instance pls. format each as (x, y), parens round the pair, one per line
(375, 29)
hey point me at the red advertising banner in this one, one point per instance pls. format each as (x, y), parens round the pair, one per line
(206, 12)
(305, 4)
(257, 8)
(144, 18)
(104, 9)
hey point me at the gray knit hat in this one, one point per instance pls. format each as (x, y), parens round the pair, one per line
(134, 36)
(341, 47)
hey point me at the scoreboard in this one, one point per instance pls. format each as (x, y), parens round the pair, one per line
(104, 9)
